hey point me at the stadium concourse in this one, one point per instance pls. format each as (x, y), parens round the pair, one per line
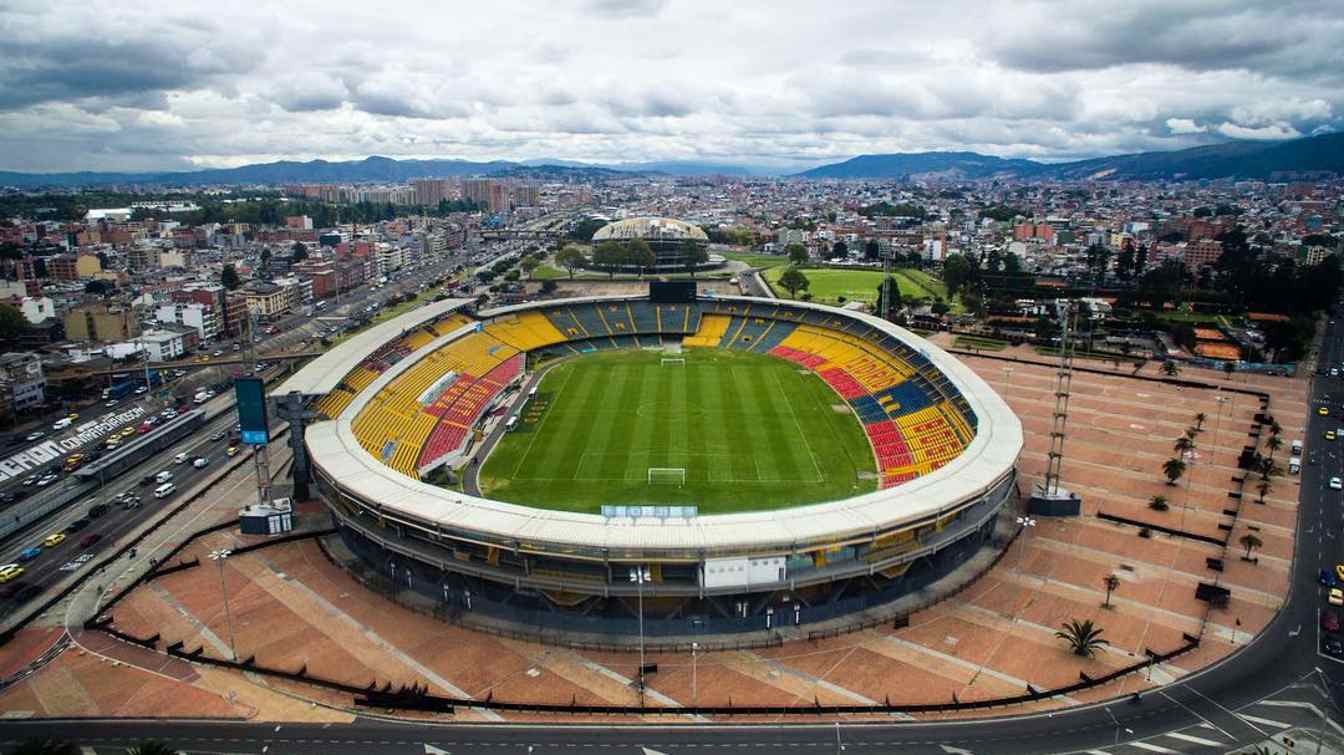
(414, 396)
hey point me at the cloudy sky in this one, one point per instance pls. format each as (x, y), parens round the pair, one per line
(181, 84)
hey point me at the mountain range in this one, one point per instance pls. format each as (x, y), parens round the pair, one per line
(1236, 159)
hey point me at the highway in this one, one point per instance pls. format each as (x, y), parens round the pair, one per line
(1279, 682)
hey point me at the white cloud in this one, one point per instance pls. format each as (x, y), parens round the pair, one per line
(185, 82)
(1185, 126)
(1272, 132)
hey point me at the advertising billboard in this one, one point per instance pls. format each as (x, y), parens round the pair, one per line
(254, 422)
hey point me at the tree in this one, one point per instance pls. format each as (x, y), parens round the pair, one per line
(693, 255)
(12, 323)
(1275, 428)
(529, 264)
(940, 307)
(1158, 503)
(1173, 469)
(839, 249)
(871, 250)
(298, 252)
(640, 255)
(99, 287)
(1263, 489)
(1229, 367)
(1084, 637)
(1170, 368)
(1200, 419)
(571, 258)
(957, 272)
(794, 281)
(892, 290)
(1273, 444)
(1183, 445)
(1250, 542)
(609, 255)
(1112, 582)
(229, 277)
(797, 253)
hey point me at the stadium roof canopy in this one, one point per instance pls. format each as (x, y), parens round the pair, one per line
(992, 453)
(323, 374)
(649, 229)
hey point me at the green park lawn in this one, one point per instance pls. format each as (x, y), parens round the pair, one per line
(827, 285)
(751, 432)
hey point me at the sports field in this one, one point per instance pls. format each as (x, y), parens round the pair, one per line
(829, 284)
(751, 432)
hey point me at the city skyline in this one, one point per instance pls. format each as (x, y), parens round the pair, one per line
(177, 87)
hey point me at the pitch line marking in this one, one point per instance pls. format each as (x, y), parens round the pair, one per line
(784, 395)
(542, 423)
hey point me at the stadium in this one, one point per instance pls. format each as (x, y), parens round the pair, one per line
(673, 464)
(670, 241)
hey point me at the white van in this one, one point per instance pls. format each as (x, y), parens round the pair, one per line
(61, 423)
(165, 490)
(164, 476)
(200, 398)
(179, 458)
(1295, 465)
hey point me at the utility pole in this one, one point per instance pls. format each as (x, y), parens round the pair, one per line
(219, 556)
(639, 575)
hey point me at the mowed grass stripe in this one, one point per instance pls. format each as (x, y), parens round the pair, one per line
(732, 419)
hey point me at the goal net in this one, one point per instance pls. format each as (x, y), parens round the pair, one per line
(667, 475)
(673, 360)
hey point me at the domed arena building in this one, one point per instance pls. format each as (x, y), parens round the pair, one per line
(671, 240)
(711, 465)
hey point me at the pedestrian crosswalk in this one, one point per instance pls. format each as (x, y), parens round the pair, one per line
(1294, 718)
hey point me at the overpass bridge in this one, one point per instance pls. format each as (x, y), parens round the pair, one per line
(78, 373)
(521, 234)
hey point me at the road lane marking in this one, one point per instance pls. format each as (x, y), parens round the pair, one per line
(1194, 739)
(1154, 748)
(1266, 721)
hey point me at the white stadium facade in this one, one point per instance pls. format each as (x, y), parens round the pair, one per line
(408, 396)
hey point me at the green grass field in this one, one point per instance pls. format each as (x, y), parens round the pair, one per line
(763, 261)
(829, 284)
(752, 432)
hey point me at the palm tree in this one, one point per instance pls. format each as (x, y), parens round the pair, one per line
(1112, 582)
(1274, 427)
(1270, 468)
(1083, 637)
(1263, 489)
(1158, 503)
(1183, 445)
(1273, 444)
(1250, 542)
(1199, 421)
(1229, 368)
(151, 748)
(1170, 368)
(1173, 469)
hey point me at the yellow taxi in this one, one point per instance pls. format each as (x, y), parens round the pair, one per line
(1339, 571)
(233, 451)
(10, 572)
(1336, 597)
(53, 540)
(1324, 411)
(72, 416)
(1329, 434)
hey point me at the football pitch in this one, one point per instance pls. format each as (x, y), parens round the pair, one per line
(750, 431)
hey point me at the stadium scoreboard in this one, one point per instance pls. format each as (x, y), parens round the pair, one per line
(672, 292)
(254, 426)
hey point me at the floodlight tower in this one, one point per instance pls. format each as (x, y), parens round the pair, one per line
(1049, 498)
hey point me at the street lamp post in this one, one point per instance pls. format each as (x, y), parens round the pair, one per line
(695, 694)
(219, 556)
(1008, 375)
(1025, 523)
(639, 575)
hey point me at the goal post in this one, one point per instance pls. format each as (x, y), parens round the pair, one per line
(667, 475)
(679, 361)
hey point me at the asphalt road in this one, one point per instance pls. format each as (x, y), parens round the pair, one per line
(1209, 711)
